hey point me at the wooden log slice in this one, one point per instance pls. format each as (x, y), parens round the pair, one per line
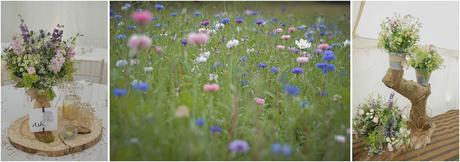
(21, 138)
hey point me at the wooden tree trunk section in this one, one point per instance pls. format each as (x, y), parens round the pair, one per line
(21, 138)
(419, 123)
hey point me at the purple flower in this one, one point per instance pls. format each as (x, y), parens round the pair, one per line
(262, 65)
(197, 13)
(199, 122)
(184, 42)
(328, 55)
(159, 6)
(325, 67)
(121, 36)
(260, 21)
(173, 14)
(301, 27)
(215, 129)
(274, 70)
(244, 83)
(239, 20)
(225, 20)
(139, 85)
(158, 25)
(131, 27)
(291, 90)
(238, 146)
(278, 148)
(297, 70)
(205, 22)
(119, 92)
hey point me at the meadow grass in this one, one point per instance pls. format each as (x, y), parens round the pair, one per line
(143, 124)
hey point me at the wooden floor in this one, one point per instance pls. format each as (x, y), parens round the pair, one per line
(444, 143)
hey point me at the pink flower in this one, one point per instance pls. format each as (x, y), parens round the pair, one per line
(285, 37)
(280, 47)
(16, 45)
(57, 61)
(71, 51)
(211, 87)
(302, 60)
(197, 38)
(142, 17)
(31, 70)
(278, 30)
(158, 49)
(182, 111)
(291, 29)
(323, 46)
(260, 101)
(138, 42)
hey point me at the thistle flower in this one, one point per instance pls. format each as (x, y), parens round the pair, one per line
(197, 38)
(142, 17)
(238, 146)
(259, 101)
(139, 42)
(211, 87)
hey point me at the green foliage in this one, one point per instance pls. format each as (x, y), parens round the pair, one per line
(425, 59)
(399, 34)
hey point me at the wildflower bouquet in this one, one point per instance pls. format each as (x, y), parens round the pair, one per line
(381, 124)
(425, 60)
(40, 60)
(398, 34)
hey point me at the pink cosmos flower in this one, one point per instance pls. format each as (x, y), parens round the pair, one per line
(260, 101)
(280, 47)
(142, 17)
(31, 70)
(278, 30)
(285, 37)
(138, 42)
(302, 59)
(323, 46)
(211, 87)
(291, 29)
(197, 38)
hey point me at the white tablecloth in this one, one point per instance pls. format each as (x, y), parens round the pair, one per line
(15, 103)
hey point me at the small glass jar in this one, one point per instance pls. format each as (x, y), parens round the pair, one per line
(70, 107)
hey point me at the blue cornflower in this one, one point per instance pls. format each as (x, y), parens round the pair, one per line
(121, 36)
(243, 59)
(173, 14)
(159, 6)
(118, 17)
(262, 65)
(131, 27)
(260, 21)
(238, 146)
(199, 122)
(274, 70)
(215, 129)
(297, 70)
(225, 20)
(278, 148)
(216, 65)
(291, 90)
(322, 33)
(197, 13)
(325, 67)
(328, 55)
(301, 27)
(119, 92)
(239, 20)
(184, 42)
(158, 25)
(140, 85)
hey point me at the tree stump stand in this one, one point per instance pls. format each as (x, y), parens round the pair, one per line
(23, 139)
(420, 124)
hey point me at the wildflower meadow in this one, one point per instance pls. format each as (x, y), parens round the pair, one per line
(229, 81)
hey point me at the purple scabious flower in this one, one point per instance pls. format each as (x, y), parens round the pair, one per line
(260, 21)
(225, 20)
(199, 122)
(262, 65)
(297, 70)
(238, 146)
(215, 129)
(173, 14)
(159, 6)
(274, 70)
(325, 67)
(119, 92)
(291, 90)
(239, 20)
